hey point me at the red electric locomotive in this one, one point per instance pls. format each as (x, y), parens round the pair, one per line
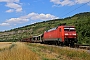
(61, 35)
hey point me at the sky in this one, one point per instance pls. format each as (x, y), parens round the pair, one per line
(19, 13)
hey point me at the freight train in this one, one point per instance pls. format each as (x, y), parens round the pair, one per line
(61, 35)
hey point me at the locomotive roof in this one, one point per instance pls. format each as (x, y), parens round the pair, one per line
(52, 29)
(57, 27)
(69, 26)
(66, 26)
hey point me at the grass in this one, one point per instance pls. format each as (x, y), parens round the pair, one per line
(35, 51)
(61, 53)
(18, 52)
(6, 46)
(44, 54)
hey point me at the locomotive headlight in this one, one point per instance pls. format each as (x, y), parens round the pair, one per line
(66, 34)
(74, 34)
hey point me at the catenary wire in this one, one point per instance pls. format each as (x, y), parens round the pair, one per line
(75, 9)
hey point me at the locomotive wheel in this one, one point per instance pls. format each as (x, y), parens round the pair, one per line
(57, 43)
(67, 44)
(61, 44)
(72, 45)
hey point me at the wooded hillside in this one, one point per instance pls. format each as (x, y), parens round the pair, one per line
(81, 21)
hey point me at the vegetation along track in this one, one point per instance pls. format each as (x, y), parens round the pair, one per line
(79, 46)
(86, 47)
(18, 52)
(52, 52)
(37, 51)
(6, 46)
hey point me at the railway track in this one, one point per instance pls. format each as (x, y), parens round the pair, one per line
(86, 47)
(79, 46)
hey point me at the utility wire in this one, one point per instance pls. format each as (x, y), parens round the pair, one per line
(53, 10)
(66, 9)
(63, 10)
(75, 9)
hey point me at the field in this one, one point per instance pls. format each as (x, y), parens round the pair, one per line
(36, 51)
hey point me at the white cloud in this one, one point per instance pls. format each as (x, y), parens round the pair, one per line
(16, 20)
(81, 1)
(31, 16)
(10, 10)
(36, 16)
(55, 1)
(64, 2)
(69, 2)
(4, 24)
(17, 1)
(13, 4)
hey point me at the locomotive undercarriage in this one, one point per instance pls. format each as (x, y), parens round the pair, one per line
(67, 42)
(54, 42)
(70, 42)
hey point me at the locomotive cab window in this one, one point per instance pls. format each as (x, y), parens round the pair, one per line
(69, 29)
(66, 29)
(72, 29)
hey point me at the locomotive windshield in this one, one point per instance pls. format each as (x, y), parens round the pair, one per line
(69, 29)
